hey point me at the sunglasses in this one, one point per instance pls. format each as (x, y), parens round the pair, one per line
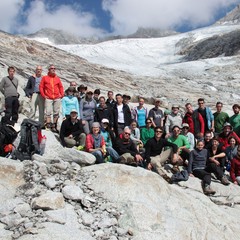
(52, 68)
(149, 122)
(185, 128)
(158, 131)
(127, 133)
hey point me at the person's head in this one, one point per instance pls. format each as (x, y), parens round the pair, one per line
(126, 98)
(157, 102)
(158, 132)
(96, 93)
(11, 71)
(227, 128)
(119, 99)
(133, 124)
(95, 128)
(73, 114)
(176, 131)
(148, 123)
(126, 133)
(185, 128)
(89, 94)
(208, 136)
(175, 109)
(73, 84)
(236, 108)
(38, 71)
(201, 103)
(110, 95)
(70, 91)
(82, 88)
(102, 101)
(219, 106)
(105, 123)
(200, 144)
(232, 141)
(215, 142)
(141, 102)
(51, 70)
(189, 107)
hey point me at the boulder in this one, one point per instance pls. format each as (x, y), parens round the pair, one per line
(153, 209)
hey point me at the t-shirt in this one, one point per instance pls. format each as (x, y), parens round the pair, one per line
(37, 83)
(141, 117)
(235, 122)
(156, 114)
(219, 120)
(120, 113)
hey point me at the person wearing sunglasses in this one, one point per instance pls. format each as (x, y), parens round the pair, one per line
(147, 132)
(155, 154)
(51, 89)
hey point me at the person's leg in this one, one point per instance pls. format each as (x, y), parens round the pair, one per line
(15, 107)
(41, 109)
(8, 110)
(48, 107)
(86, 127)
(82, 139)
(70, 142)
(56, 110)
(157, 164)
(213, 168)
(203, 175)
(113, 154)
(33, 105)
(99, 156)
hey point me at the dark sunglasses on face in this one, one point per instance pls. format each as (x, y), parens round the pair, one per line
(158, 131)
(127, 133)
(149, 122)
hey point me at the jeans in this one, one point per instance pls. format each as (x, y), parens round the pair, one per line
(110, 152)
(11, 112)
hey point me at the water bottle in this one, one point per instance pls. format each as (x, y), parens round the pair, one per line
(43, 144)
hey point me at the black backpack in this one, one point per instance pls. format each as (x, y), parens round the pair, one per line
(29, 143)
(7, 136)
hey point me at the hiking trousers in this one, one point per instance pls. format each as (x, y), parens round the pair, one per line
(11, 112)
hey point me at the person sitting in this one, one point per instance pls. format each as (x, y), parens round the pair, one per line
(127, 150)
(147, 132)
(216, 161)
(107, 133)
(235, 168)
(183, 146)
(208, 139)
(226, 134)
(69, 102)
(197, 167)
(71, 131)
(190, 137)
(155, 154)
(135, 134)
(96, 145)
(231, 152)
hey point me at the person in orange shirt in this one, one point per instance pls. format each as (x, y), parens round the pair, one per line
(52, 91)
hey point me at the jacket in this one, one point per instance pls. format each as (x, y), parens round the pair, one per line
(7, 88)
(209, 117)
(69, 103)
(51, 87)
(90, 142)
(29, 89)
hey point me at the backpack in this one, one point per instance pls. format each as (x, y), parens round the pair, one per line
(7, 136)
(30, 140)
(180, 176)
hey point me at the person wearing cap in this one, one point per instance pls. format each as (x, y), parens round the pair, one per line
(174, 118)
(190, 137)
(156, 114)
(87, 109)
(69, 102)
(51, 89)
(206, 114)
(195, 121)
(103, 111)
(75, 92)
(226, 133)
(121, 115)
(33, 93)
(220, 118)
(126, 100)
(82, 92)
(107, 133)
(71, 131)
(140, 113)
(234, 120)
(96, 145)
(182, 143)
(156, 153)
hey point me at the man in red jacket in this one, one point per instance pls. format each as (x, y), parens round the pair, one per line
(51, 89)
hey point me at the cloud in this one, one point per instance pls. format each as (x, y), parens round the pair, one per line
(127, 15)
(15, 18)
(8, 13)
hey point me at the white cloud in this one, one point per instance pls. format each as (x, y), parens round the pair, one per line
(8, 13)
(69, 18)
(127, 15)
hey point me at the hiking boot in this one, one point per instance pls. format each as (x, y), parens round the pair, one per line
(208, 191)
(48, 126)
(167, 178)
(224, 180)
(175, 169)
(54, 128)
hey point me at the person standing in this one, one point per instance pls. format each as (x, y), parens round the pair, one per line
(220, 118)
(51, 89)
(156, 114)
(32, 91)
(8, 87)
(140, 113)
(235, 119)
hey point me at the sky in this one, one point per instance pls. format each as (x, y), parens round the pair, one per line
(98, 18)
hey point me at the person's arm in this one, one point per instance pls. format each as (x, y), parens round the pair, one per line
(61, 89)
(64, 108)
(2, 83)
(202, 125)
(62, 133)
(41, 87)
(28, 88)
(232, 172)
(191, 157)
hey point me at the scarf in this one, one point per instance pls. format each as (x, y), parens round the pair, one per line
(97, 140)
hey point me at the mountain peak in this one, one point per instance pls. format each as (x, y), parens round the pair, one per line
(233, 17)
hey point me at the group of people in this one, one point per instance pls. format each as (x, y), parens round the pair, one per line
(114, 131)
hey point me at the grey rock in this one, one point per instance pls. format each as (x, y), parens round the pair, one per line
(23, 209)
(12, 220)
(50, 182)
(48, 201)
(87, 218)
(73, 193)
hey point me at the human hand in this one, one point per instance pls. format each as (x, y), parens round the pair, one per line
(236, 183)
(191, 175)
(149, 166)
(138, 157)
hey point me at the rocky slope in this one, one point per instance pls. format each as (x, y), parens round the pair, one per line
(232, 17)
